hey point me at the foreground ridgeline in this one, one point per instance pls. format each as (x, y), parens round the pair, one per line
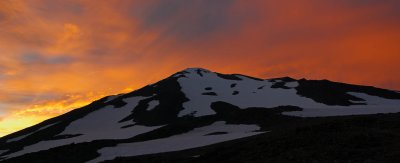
(197, 115)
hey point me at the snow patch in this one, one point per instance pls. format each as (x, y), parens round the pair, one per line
(152, 105)
(250, 96)
(3, 151)
(100, 124)
(292, 84)
(375, 105)
(110, 98)
(192, 139)
(376, 100)
(26, 135)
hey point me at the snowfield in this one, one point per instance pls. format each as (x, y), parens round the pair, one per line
(98, 125)
(193, 85)
(195, 138)
(250, 95)
(375, 105)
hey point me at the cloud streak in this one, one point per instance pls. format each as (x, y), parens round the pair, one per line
(52, 49)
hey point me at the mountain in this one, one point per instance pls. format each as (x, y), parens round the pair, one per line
(197, 115)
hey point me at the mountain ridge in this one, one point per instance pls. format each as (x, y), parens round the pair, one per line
(187, 103)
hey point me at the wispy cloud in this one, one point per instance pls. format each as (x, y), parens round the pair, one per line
(53, 48)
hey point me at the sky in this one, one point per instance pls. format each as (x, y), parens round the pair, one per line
(57, 55)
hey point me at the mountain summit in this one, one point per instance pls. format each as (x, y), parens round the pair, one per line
(189, 110)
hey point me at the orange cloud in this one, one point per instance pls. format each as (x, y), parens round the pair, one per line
(51, 49)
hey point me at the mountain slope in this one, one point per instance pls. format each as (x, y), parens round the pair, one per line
(190, 109)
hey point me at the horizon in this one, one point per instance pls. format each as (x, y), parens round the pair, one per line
(59, 55)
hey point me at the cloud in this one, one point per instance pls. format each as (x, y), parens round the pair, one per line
(53, 48)
(186, 20)
(33, 58)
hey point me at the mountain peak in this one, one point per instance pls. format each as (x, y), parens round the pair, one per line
(193, 108)
(192, 71)
(195, 70)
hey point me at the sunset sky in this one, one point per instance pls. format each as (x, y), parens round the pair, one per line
(57, 55)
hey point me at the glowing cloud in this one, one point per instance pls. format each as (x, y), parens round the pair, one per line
(51, 49)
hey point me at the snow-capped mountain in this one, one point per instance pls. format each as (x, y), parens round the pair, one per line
(190, 109)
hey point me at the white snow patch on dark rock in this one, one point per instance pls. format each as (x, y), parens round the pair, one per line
(192, 139)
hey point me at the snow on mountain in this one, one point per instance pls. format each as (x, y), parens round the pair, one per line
(100, 124)
(192, 108)
(92, 127)
(24, 136)
(195, 83)
(374, 105)
(203, 87)
(214, 133)
(3, 151)
(152, 104)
